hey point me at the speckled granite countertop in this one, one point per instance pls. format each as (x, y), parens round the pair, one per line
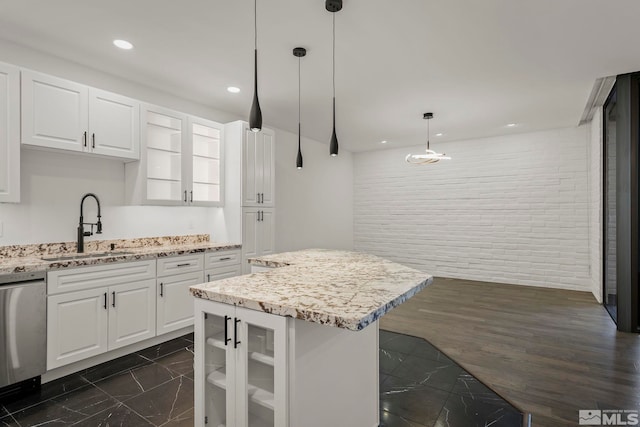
(27, 258)
(336, 288)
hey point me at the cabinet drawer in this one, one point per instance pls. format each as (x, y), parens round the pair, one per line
(180, 264)
(221, 259)
(222, 273)
(75, 279)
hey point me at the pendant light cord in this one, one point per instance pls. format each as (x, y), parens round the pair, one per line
(428, 133)
(299, 92)
(255, 24)
(334, 55)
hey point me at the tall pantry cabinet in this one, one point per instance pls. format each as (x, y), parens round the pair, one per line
(255, 156)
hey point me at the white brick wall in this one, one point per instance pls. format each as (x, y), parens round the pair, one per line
(511, 209)
(595, 204)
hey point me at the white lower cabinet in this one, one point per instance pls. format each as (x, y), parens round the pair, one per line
(175, 303)
(83, 324)
(241, 369)
(258, 231)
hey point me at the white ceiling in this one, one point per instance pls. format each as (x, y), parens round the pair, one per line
(477, 65)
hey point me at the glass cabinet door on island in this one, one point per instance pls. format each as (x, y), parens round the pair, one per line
(244, 377)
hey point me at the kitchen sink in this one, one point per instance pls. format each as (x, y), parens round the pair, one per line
(83, 256)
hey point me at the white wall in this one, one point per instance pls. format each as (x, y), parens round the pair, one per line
(510, 209)
(595, 203)
(314, 204)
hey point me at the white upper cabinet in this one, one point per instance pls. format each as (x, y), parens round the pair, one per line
(9, 133)
(114, 123)
(181, 161)
(65, 115)
(258, 165)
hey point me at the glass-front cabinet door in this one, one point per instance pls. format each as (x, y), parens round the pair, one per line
(261, 370)
(164, 138)
(219, 363)
(206, 164)
(241, 371)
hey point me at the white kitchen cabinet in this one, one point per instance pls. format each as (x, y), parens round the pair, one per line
(181, 161)
(86, 323)
(114, 123)
(95, 309)
(77, 325)
(65, 115)
(175, 303)
(258, 163)
(132, 315)
(221, 265)
(9, 133)
(242, 367)
(258, 231)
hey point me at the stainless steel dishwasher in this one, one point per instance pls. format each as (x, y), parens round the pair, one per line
(23, 328)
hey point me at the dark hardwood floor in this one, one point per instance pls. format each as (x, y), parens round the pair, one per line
(549, 352)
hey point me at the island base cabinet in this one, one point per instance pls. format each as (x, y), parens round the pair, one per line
(240, 365)
(254, 369)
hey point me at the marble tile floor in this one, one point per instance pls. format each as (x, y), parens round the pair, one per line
(419, 387)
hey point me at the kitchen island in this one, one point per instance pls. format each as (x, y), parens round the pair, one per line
(296, 344)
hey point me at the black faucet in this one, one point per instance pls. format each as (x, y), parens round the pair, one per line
(81, 232)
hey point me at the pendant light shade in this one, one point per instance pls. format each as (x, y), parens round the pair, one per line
(255, 116)
(299, 52)
(430, 156)
(334, 6)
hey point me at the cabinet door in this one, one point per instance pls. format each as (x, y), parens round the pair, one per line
(251, 174)
(114, 124)
(175, 303)
(267, 168)
(206, 166)
(9, 133)
(261, 371)
(163, 145)
(54, 112)
(266, 232)
(250, 236)
(214, 364)
(132, 315)
(76, 326)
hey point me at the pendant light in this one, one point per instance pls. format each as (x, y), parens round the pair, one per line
(430, 156)
(334, 6)
(299, 52)
(255, 116)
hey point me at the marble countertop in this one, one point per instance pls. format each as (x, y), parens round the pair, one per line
(29, 258)
(336, 288)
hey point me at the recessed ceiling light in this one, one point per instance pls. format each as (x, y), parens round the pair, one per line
(512, 125)
(123, 44)
(233, 89)
(383, 142)
(439, 134)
